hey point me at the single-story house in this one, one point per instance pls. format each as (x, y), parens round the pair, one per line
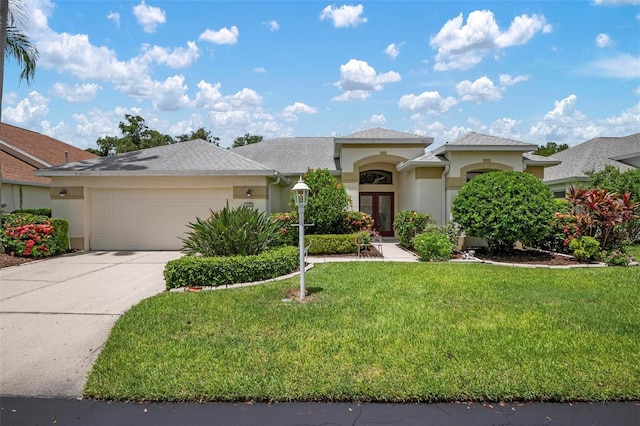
(21, 153)
(145, 199)
(592, 155)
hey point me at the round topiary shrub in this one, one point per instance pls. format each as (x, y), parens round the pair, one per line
(504, 207)
(433, 245)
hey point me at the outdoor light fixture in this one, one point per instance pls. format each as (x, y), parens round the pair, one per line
(249, 192)
(63, 193)
(301, 194)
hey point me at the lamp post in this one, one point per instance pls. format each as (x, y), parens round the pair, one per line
(301, 194)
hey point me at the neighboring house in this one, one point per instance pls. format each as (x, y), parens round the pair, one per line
(145, 199)
(21, 153)
(592, 155)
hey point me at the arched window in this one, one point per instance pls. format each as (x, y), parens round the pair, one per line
(376, 177)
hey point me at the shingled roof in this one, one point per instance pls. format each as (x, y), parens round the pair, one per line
(595, 155)
(474, 141)
(191, 158)
(292, 156)
(25, 151)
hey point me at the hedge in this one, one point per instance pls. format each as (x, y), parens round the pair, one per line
(331, 243)
(224, 270)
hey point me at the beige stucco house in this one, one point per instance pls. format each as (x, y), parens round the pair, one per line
(144, 199)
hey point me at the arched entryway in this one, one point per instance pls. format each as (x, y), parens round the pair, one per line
(377, 198)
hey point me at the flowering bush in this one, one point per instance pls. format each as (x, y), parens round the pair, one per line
(618, 258)
(30, 239)
(408, 224)
(288, 230)
(356, 221)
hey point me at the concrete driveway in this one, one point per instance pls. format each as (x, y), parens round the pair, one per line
(56, 314)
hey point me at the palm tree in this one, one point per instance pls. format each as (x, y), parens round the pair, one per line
(14, 43)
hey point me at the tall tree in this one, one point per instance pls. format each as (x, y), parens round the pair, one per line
(201, 133)
(550, 148)
(135, 135)
(247, 139)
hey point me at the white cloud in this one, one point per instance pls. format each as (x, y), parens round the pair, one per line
(245, 98)
(344, 16)
(259, 70)
(392, 50)
(149, 16)
(77, 92)
(637, 91)
(358, 79)
(378, 119)
(624, 124)
(505, 127)
(481, 90)
(428, 102)
(461, 46)
(291, 112)
(28, 112)
(223, 36)
(564, 123)
(624, 66)
(615, 2)
(170, 95)
(507, 80)
(273, 25)
(603, 40)
(179, 57)
(114, 17)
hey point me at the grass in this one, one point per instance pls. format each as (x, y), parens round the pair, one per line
(634, 250)
(386, 332)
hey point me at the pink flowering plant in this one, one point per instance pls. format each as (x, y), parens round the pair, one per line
(22, 237)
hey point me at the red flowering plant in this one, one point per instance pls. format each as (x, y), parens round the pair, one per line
(24, 236)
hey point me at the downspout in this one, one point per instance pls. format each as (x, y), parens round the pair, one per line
(443, 183)
(269, 193)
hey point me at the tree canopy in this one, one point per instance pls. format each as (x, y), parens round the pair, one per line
(137, 135)
(247, 139)
(550, 148)
(612, 179)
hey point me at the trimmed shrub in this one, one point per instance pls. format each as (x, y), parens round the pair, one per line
(328, 200)
(232, 231)
(61, 234)
(556, 240)
(618, 258)
(38, 212)
(433, 245)
(331, 243)
(408, 224)
(585, 248)
(225, 270)
(28, 235)
(504, 207)
(353, 222)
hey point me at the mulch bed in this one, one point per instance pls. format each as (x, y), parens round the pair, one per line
(7, 260)
(532, 257)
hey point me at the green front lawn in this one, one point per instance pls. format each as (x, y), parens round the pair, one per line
(383, 331)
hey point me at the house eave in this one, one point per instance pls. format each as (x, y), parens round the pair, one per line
(478, 148)
(413, 164)
(151, 173)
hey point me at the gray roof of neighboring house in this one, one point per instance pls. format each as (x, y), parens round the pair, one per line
(473, 141)
(195, 157)
(387, 135)
(293, 156)
(594, 154)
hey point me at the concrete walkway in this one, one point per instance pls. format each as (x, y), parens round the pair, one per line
(390, 250)
(56, 314)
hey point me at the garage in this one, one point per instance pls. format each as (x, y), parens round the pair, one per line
(148, 219)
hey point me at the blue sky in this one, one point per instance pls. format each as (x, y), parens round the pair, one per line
(563, 71)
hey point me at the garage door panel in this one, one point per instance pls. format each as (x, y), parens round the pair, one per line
(149, 219)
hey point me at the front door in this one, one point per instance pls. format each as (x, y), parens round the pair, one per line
(380, 206)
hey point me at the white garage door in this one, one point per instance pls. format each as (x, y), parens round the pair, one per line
(149, 219)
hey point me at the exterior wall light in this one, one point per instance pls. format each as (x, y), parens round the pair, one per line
(63, 193)
(249, 191)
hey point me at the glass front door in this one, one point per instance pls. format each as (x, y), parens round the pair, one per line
(380, 206)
